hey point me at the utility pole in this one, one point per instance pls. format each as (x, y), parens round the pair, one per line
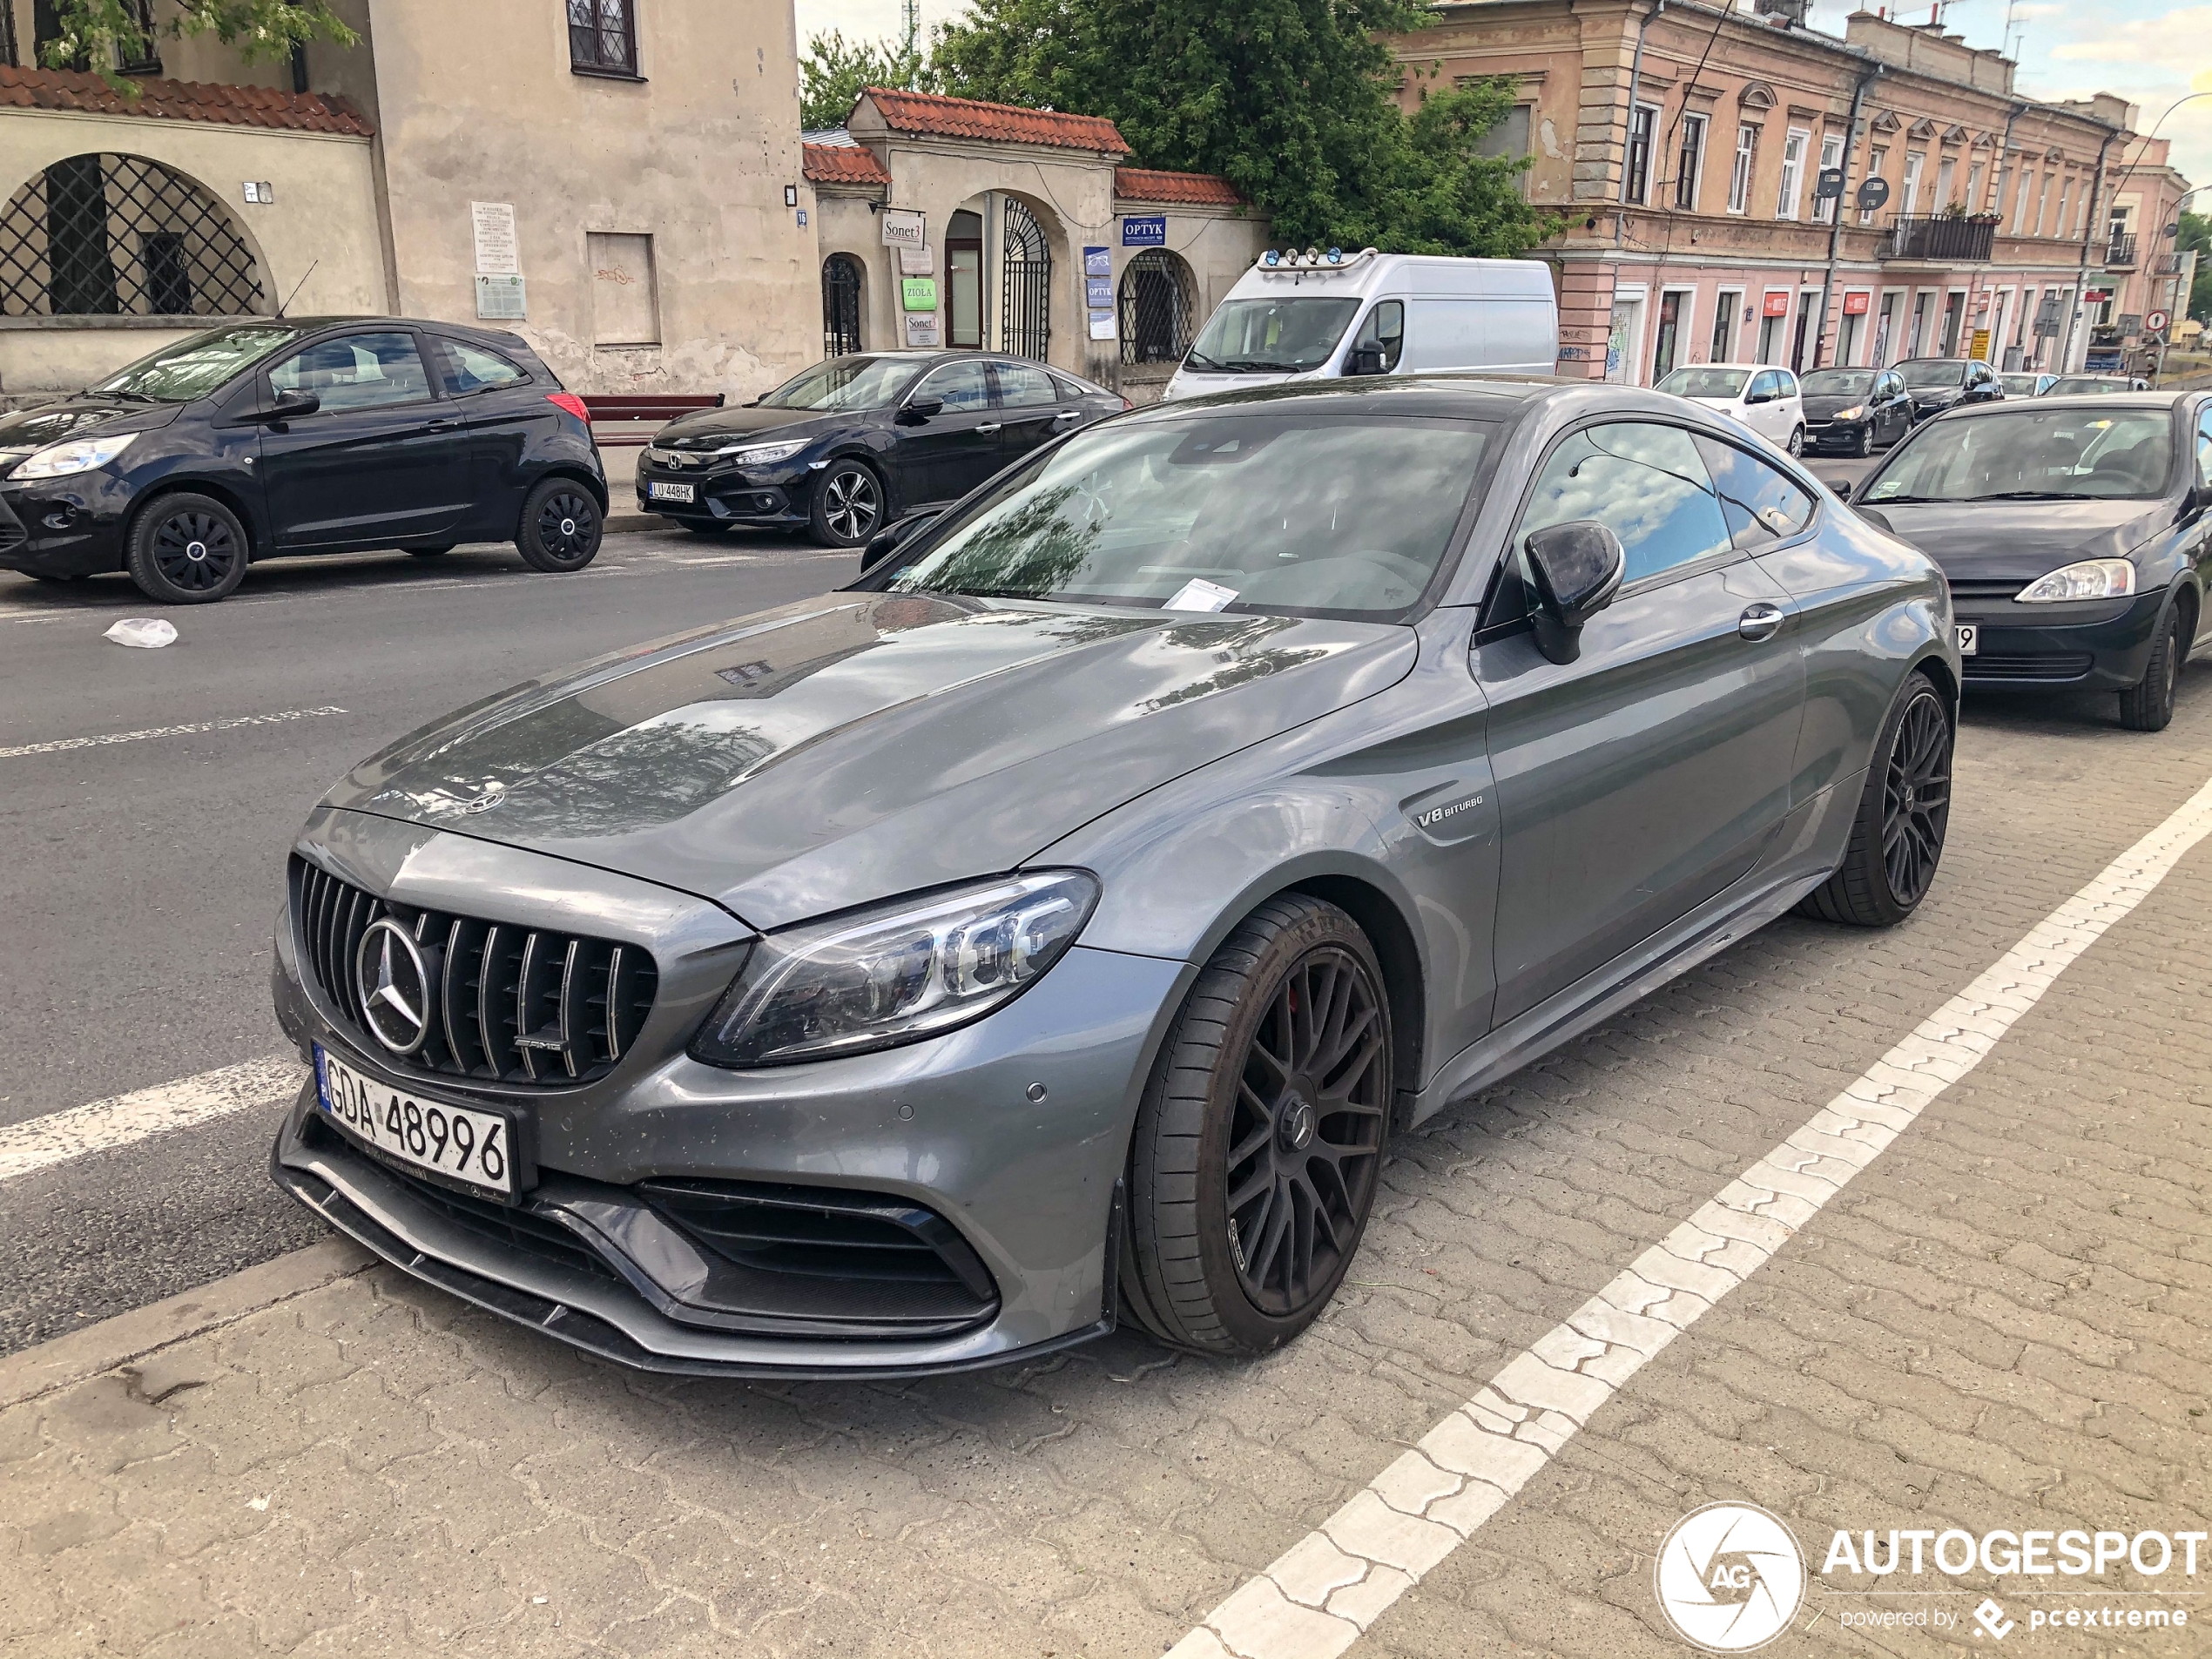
(910, 41)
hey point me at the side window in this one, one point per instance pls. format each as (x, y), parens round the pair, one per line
(1647, 483)
(1766, 384)
(1892, 385)
(1071, 390)
(962, 385)
(356, 372)
(1024, 386)
(475, 368)
(1762, 504)
(1785, 383)
(1384, 328)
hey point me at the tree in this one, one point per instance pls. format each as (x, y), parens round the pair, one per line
(106, 32)
(2196, 232)
(835, 71)
(1292, 100)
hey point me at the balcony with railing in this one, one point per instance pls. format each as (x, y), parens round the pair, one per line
(2119, 252)
(1941, 238)
(2169, 264)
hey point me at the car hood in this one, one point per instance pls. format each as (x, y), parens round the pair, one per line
(22, 431)
(2020, 541)
(1821, 405)
(710, 428)
(860, 745)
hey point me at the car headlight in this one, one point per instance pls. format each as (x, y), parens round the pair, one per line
(1851, 414)
(897, 973)
(2091, 579)
(759, 454)
(79, 455)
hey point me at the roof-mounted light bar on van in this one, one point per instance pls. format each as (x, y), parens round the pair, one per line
(1313, 258)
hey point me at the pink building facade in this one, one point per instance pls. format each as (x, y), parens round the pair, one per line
(1684, 146)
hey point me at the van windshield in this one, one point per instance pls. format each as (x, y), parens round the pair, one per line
(1284, 337)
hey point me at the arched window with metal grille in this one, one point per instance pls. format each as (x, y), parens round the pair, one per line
(1158, 299)
(841, 280)
(1026, 263)
(118, 235)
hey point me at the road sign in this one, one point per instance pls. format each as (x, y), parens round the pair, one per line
(1829, 185)
(2130, 323)
(2155, 322)
(1873, 193)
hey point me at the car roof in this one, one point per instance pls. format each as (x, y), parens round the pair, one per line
(2165, 400)
(1464, 395)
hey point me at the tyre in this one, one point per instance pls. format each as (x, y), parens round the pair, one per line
(2147, 705)
(1897, 837)
(1864, 447)
(1259, 1143)
(561, 527)
(1797, 440)
(432, 552)
(849, 504)
(186, 550)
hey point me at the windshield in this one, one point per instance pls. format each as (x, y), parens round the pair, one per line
(1706, 382)
(1934, 372)
(1276, 512)
(1838, 382)
(185, 369)
(2086, 385)
(1274, 336)
(2044, 454)
(847, 383)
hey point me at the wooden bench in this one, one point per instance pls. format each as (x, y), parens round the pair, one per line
(628, 409)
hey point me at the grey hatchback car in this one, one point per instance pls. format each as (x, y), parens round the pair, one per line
(1051, 929)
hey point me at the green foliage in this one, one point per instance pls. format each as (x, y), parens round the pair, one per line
(835, 70)
(2196, 232)
(1293, 101)
(102, 33)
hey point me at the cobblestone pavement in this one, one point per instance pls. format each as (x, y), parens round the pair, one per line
(2004, 1322)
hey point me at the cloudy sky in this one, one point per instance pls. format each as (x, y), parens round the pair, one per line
(2150, 52)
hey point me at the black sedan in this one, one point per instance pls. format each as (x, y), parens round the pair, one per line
(327, 435)
(1855, 410)
(2076, 533)
(1940, 383)
(857, 441)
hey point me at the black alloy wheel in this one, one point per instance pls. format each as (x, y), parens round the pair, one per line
(1259, 1144)
(848, 505)
(1864, 447)
(561, 527)
(1306, 1134)
(1916, 798)
(186, 550)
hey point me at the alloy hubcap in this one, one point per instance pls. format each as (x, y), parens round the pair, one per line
(1916, 798)
(1305, 1136)
(849, 505)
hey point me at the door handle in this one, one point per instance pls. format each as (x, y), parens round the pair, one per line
(1759, 621)
(444, 426)
(989, 427)
(1067, 415)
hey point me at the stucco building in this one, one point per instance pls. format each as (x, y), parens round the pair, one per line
(1682, 146)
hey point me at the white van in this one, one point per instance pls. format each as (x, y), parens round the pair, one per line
(1315, 316)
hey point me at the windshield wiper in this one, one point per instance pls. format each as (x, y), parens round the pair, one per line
(1199, 361)
(2031, 494)
(135, 397)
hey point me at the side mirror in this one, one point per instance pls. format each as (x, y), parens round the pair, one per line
(292, 406)
(1578, 567)
(917, 412)
(888, 541)
(1843, 490)
(1364, 360)
(1750, 398)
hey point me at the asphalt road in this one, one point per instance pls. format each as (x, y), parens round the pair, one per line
(139, 880)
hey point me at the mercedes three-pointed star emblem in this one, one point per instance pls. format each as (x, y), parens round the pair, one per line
(396, 986)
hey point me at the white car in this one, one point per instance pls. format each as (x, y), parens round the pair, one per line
(1765, 398)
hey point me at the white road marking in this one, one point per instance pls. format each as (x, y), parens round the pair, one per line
(1324, 1592)
(231, 724)
(105, 1124)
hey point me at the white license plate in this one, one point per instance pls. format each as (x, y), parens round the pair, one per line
(660, 491)
(457, 1141)
(1969, 639)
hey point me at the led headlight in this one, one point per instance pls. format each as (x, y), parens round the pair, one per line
(79, 455)
(895, 973)
(1851, 414)
(759, 454)
(2091, 579)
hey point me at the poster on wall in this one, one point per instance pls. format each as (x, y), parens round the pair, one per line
(904, 227)
(498, 251)
(1101, 325)
(1981, 346)
(1855, 304)
(500, 298)
(1098, 291)
(921, 328)
(1144, 229)
(1098, 261)
(918, 294)
(918, 261)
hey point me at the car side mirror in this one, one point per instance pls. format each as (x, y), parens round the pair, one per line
(292, 406)
(1843, 490)
(1751, 398)
(918, 412)
(1364, 360)
(888, 541)
(1577, 569)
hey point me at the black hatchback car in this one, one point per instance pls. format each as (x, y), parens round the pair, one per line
(857, 441)
(2076, 533)
(326, 435)
(1855, 410)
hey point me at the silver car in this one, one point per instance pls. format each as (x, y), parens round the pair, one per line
(1051, 928)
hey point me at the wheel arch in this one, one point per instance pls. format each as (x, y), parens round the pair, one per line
(1404, 980)
(257, 532)
(596, 487)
